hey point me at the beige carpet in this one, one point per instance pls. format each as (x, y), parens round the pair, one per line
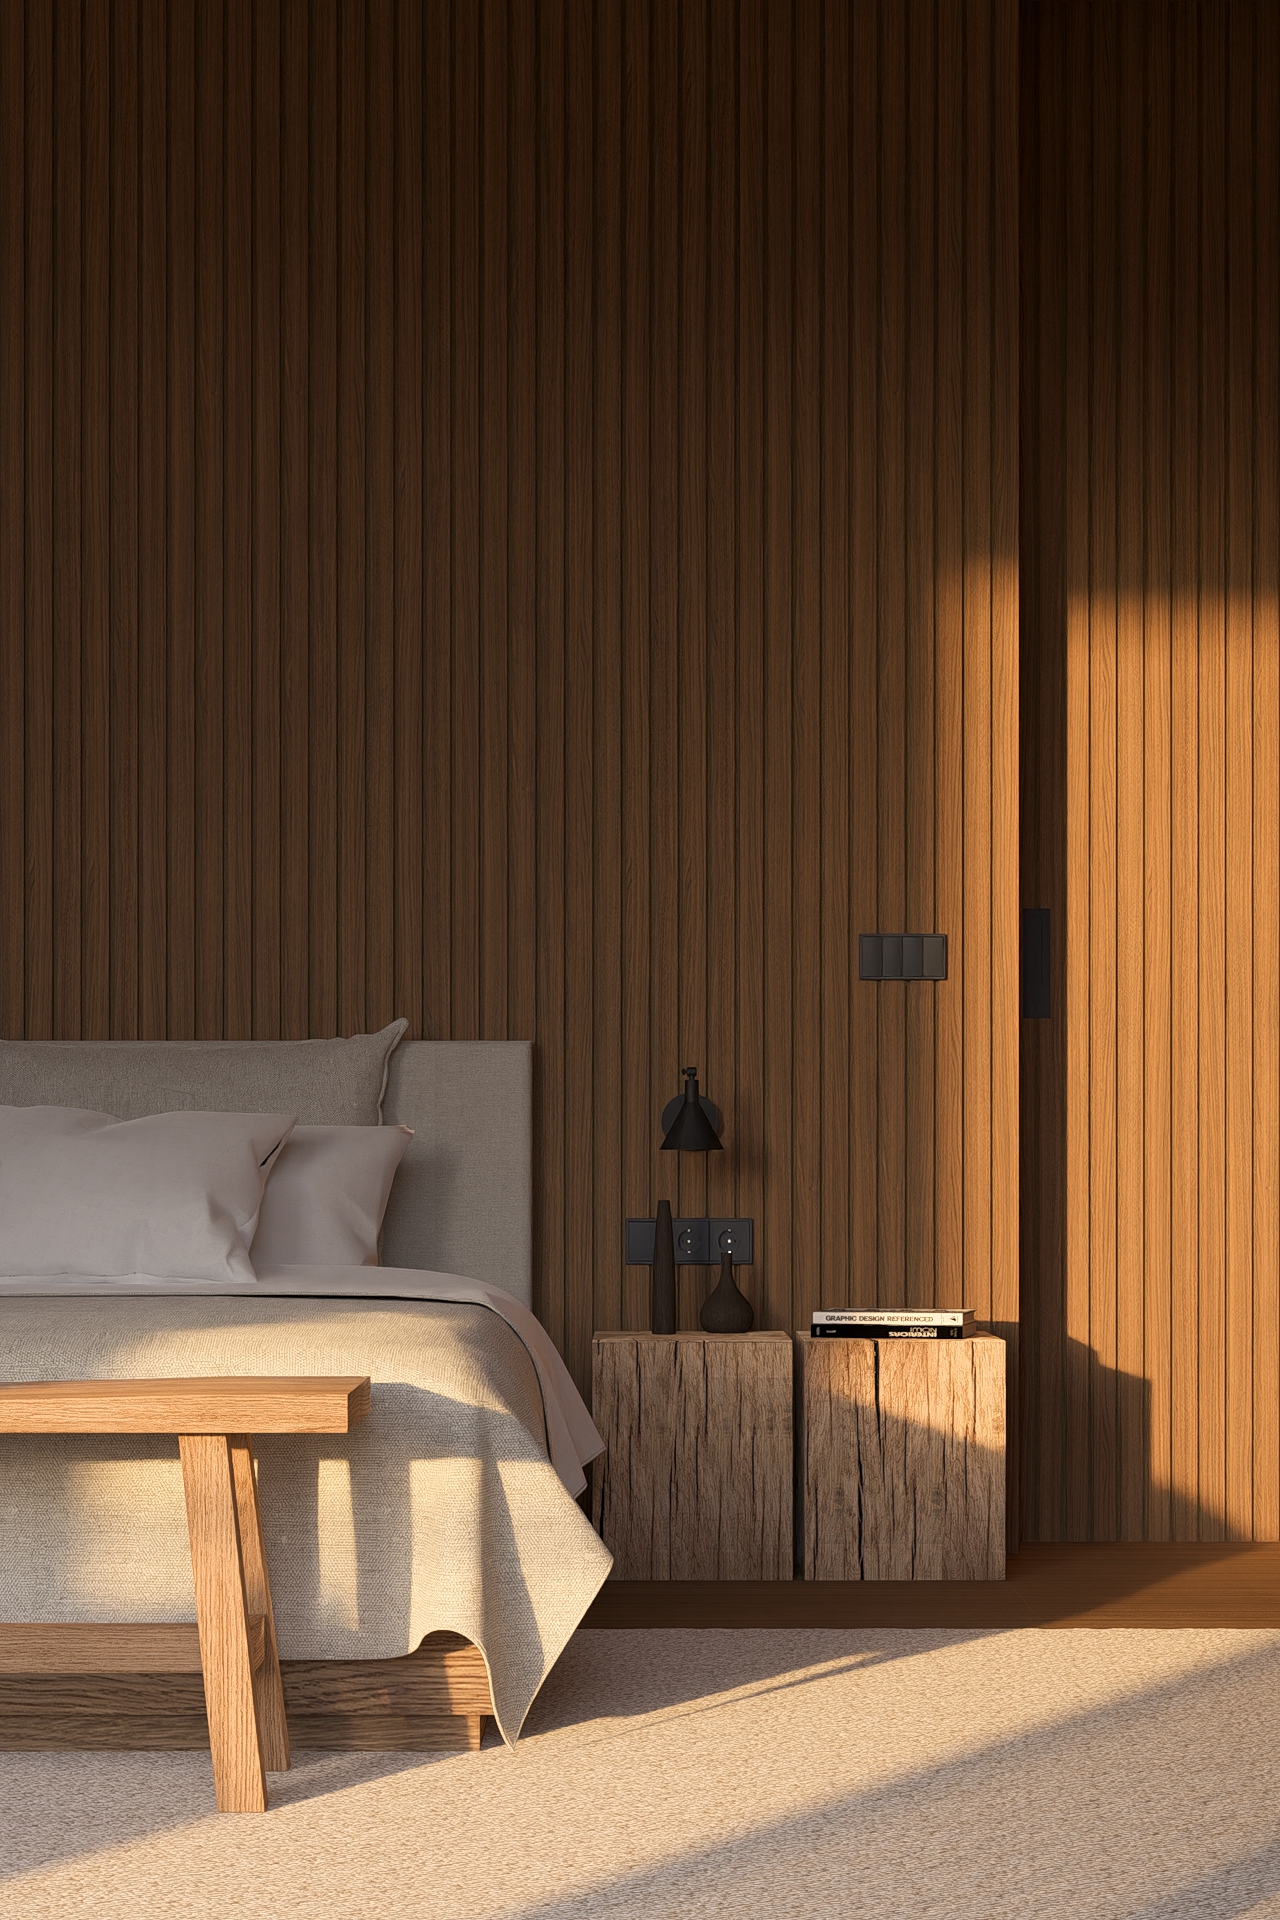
(1046, 1774)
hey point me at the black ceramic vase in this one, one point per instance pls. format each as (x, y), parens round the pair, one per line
(662, 1295)
(727, 1310)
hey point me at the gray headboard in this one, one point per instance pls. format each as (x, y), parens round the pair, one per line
(463, 1197)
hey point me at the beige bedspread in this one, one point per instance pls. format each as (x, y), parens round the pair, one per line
(441, 1511)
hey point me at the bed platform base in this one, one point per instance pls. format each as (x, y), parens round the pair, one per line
(139, 1688)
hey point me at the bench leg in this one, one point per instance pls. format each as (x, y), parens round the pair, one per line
(268, 1693)
(208, 1483)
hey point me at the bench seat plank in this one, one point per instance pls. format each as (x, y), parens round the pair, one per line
(284, 1404)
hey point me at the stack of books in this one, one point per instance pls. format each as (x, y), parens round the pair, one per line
(895, 1323)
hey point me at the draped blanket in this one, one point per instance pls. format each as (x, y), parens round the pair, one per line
(442, 1510)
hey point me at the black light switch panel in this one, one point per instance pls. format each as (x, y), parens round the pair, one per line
(699, 1243)
(902, 956)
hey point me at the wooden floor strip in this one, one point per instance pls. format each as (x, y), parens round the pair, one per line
(1112, 1585)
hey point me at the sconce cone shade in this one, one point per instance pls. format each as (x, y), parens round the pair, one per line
(691, 1131)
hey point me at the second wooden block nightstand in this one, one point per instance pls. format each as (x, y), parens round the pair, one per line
(695, 1482)
(902, 1458)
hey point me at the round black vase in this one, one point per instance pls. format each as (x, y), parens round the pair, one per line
(727, 1310)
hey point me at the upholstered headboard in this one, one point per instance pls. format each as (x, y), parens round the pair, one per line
(463, 1196)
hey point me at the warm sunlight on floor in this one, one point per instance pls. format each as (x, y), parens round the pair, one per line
(1121, 1773)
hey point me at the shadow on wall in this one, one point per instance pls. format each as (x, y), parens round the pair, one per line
(1108, 1470)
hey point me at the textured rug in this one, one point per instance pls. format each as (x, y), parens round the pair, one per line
(1120, 1773)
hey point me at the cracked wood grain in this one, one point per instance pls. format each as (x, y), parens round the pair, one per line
(902, 1466)
(696, 1479)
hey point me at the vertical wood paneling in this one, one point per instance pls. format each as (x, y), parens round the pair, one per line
(506, 516)
(634, 744)
(949, 659)
(980, 432)
(1266, 815)
(554, 1230)
(1075, 428)
(721, 561)
(1130, 746)
(748, 714)
(153, 691)
(266, 662)
(1238, 217)
(67, 347)
(322, 531)
(577, 955)
(891, 651)
(1002, 984)
(806, 912)
(13, 137)
(1101, 725)
(209, 602)
(464, 533)
(352, 611)
(1184, 874)
(838, 1249)
(96, 785)
(494, 551)
(1211, 774)
(406, 267)
(122, 517)
(433, 617)
(381, 759)
(606, 622)
(179, 532)
(779, 646)
(237, 513)
(295, 608)
(920, 799)
(1149, 486)
(38, 521)
(1158, 1032)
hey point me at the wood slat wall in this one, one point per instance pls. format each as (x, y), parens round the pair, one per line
(508, 516)
(1151, 737)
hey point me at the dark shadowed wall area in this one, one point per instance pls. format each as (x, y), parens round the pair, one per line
(1151, 769)
(508, 516)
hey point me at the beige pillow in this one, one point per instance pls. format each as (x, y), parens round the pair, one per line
(327, 1194)
(175, 1195)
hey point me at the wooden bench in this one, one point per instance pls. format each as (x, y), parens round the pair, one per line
(234, 1639)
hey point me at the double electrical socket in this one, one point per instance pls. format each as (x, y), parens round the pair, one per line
(699, 1243)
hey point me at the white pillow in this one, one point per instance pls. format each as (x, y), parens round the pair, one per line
(327, 1194)
(175, 1195)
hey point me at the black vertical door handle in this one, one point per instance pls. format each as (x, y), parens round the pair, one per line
(1036, 994)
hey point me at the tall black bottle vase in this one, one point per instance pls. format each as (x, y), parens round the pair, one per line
(662, 1292)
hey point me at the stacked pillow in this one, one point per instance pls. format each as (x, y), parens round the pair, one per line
(186, 1193)
(328, 1191)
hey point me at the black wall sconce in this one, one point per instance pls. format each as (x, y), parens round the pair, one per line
(688, 1128)
(691, 1124)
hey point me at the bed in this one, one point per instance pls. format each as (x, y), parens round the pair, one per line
(428, 1568)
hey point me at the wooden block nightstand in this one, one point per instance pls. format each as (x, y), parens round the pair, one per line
(695, 1482)
(902, 1467)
